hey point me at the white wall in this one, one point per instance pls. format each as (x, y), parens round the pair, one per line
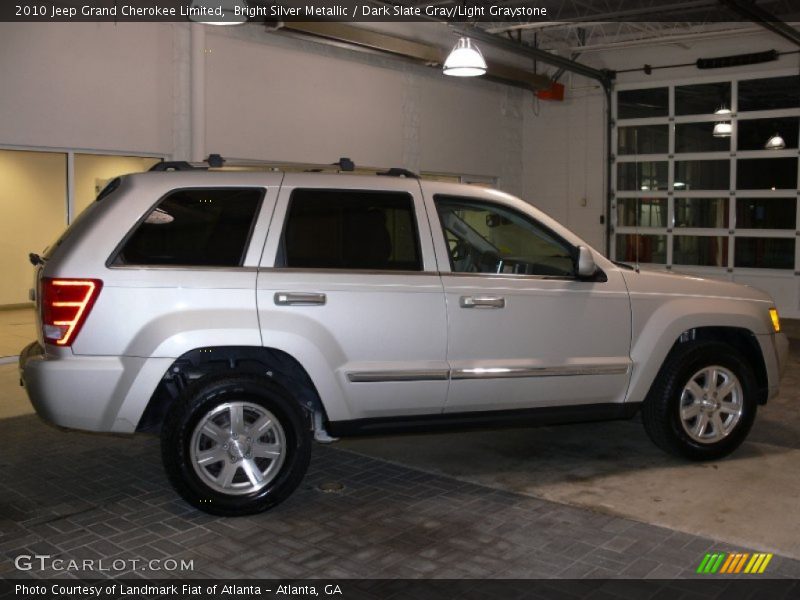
(277, 99)
(126, 87)
(87, 85)
(564, 158)
(268, 102)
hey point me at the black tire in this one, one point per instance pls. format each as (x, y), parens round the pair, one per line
(201, 399)
(661, 411)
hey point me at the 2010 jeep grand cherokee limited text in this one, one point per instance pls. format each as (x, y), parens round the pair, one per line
(243, 314)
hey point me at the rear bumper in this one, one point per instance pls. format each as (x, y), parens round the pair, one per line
(91, 393)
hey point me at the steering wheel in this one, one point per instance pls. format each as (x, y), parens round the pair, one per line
(466, 258)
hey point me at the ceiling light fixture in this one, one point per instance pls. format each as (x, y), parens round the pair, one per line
(776, 142)
(723, 129)
(465, 60)
(722, 110)
(218, 12)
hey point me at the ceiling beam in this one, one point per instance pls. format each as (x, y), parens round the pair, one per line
(762, 17)
(604, 77)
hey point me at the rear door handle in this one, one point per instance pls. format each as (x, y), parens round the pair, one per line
(482, 302)
(299, 298)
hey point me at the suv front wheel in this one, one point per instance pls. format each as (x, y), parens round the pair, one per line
(235, 445)
(703, 403)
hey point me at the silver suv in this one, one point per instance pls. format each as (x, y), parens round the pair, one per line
(244, 314)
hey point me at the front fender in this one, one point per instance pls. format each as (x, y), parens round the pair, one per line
(657, 325)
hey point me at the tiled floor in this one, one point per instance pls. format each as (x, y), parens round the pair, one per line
(82, 496)
(748, 498)
(17, 330)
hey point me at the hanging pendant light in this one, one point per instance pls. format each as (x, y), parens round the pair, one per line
(465, 60)
(722, 110)
(776, 142)
(218, 12)
(723, 129)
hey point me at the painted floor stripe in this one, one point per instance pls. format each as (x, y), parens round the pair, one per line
(727, 565)
(757, 564)
(751, 563)
(741, 562)
(711, 562)
(765, 563)
(701, 568)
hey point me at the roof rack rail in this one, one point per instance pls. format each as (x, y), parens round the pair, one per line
(398, 172)
(176, 165)
(216, 161)
(345, 164)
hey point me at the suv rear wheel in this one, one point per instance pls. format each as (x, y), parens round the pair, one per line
(703, 403)
(235, 445)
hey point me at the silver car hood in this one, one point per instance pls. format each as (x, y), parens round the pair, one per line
(676, 284)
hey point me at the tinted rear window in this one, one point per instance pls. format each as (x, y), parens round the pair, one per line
(350, 229)
(195, 227)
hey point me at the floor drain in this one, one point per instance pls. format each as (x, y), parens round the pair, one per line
(330, 487)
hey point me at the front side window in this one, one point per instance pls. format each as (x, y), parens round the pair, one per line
(351, 230)
(195, 227)
(488, 238)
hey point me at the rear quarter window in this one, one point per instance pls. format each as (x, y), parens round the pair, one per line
(194, 227)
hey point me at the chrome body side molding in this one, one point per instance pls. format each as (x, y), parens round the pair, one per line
(561, 371)
(388, 376)
(487, 373)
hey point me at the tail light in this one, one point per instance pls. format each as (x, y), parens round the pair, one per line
(65, 305)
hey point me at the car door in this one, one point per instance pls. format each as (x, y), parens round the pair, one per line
(523, 330)
(349, 287)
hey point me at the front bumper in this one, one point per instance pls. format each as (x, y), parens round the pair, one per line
(775, 350)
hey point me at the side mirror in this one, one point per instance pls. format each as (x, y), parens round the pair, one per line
(586, 265)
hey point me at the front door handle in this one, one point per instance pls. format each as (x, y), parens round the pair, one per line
(482, 302)
(299, 298)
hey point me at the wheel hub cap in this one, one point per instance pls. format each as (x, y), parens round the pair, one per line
(238, 448)
(711, 404)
